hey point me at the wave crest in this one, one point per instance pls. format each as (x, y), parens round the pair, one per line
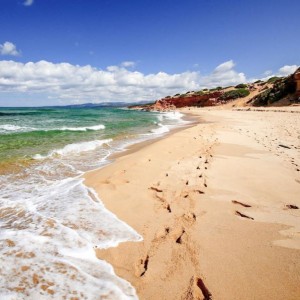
(161, 129)
(95, 127)
(10, 128)
(75, 148)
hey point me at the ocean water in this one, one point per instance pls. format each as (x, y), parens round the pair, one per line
(50, 221)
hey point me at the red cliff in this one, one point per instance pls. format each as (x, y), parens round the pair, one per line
(208, 99)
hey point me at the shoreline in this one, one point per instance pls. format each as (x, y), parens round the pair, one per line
(137, 145)
(66, 212)
(175, 200)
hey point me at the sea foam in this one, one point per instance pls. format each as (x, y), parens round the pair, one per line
(171, 115)
(161, 129)
(86, 128)
(75, 148)
(9, 128)
(49, 229)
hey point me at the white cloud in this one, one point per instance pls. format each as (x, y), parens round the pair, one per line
(283, 71)
(28, 2)
(128, 64)
(268, 73)
(72, 83)
(224, 75)
(9, 48)
(287, 70)
(225, 67)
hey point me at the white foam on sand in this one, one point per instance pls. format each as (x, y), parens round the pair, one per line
(167, 121)
(49, 229)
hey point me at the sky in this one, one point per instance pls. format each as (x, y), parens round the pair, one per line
(56, 52)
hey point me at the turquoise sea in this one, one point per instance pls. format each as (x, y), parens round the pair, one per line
(50, 221)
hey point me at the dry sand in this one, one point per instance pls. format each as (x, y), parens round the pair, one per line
(211, 204)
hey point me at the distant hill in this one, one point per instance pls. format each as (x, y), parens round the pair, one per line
(103, 104)
(88, 105)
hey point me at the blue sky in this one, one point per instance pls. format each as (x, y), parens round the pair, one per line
(167, 46)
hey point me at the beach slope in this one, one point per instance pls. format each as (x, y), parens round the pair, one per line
(216, 204)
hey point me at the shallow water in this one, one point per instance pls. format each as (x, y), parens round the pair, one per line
(50, 221)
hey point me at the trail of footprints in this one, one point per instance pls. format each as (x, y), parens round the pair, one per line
(178, 232)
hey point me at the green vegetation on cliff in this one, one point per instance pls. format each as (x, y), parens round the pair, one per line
(273, 79)
(199, 93)
(218, 88)
(241, 86)
(281, 88)
(234, 94)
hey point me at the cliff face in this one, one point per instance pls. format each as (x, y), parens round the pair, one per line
(208, 99)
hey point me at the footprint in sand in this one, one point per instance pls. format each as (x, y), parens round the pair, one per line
(189, 218)
(240, 203)
(155, 189)
(167, 207)
(199, 191)
(164, 202)
(142, 267)
(162, 233)
(177, 234)
(243, 215)
(292, 206)
(197, 290)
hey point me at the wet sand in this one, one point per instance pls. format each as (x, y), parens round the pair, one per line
(216, 204)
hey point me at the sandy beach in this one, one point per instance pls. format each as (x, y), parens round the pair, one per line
(217, 206)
